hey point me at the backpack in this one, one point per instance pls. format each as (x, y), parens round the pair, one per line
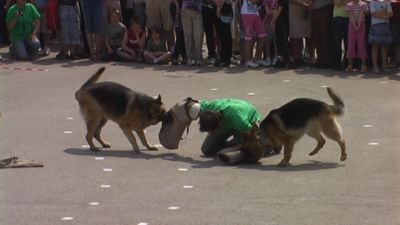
(52, 20)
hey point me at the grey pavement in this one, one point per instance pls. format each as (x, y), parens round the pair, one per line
(41, 121)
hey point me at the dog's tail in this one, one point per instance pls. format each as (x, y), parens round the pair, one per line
(93, 79)
(338, 105)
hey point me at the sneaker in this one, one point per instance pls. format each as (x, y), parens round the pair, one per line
(273, 61)
(184, 62)
(192, 62)
(62, 56)
(46, 51)
(211, 61)
(251, 64)
(263, 63)
(279, 64)
(376, 70)
(175, 62)
(199, 62)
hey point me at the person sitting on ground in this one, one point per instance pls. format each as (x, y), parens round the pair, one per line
(23, 22)
(115, 34)
(156, 51)
(134, 42)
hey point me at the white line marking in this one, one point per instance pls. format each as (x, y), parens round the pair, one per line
(173, 207)
(70, 118)
(67, 218)
(188, 186)
(367, 125)
(251, 93)
(143, 223)
(67, 132)
(107, 169)
(183, 169)
(383, 82)
(94, 203)
(98, 158)
(323, 86)
(85, 146)
(214, 89)
(286, 81)
(105, 186)
(373, 143)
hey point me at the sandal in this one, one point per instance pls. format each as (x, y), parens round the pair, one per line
(364, 69)
(349, 69)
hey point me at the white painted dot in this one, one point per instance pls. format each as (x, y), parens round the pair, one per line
(107, 169)
(98, 158)
(214, 89)
(187, 186)
(251, 93)
(143, 223)
(85, 146)
(67, 132)
(183, 169)
(173, 207)
(285, 81)
(383, 82)
(70, 118)
(373, 143)
(67, 218)
(367, 125)
(105, 186)
(94, 203)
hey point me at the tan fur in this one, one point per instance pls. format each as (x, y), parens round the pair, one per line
(274, 133)
(133, 118)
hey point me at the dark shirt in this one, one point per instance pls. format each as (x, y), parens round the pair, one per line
(67, 2)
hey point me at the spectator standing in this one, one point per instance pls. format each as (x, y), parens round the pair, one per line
(134, 42)
(180, 38)
(158, 14)
(223, 28)
(270, 7)
(379, 34)
(70, 29)
(44, 32)
(115, 34)
(23, 22)
(395, 27)
(92, 14)
(340, 24)
(3, 27)
(252, 26)
(281, 23)
(156, 51)
(192, 23)
(299, 28)
(209, 13)
(356, 40)
(321, 16)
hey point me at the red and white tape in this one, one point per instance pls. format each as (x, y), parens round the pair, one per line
(7, 67)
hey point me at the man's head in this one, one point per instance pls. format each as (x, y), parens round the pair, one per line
(210, 120)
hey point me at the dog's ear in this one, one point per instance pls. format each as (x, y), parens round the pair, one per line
(158, 100)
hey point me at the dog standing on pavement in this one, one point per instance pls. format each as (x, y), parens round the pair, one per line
(100, 102)
(287, 124)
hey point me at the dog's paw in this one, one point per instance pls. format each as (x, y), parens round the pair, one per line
(136, 150)
(95, 149)
(343, 157)
(106, 145)
(152, 148)
(283, 164)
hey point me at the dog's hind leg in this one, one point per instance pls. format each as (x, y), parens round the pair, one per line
(287, 153)
(91, 124)
(98, 131)
(128, 133)
(143, 139)
(314, 133)
(333, 131)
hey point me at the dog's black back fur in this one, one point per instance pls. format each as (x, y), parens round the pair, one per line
(111, 96)
(298, 112)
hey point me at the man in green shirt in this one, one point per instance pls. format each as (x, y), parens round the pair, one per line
(23, 23)
(223, 118)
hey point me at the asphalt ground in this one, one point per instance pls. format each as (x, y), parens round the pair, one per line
(41, 121)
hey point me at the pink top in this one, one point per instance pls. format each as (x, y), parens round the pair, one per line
(357, 10)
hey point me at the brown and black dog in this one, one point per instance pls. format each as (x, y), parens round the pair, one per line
(100, 102)
(287, 124)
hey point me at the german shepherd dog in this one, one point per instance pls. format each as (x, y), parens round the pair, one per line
(131, 110)
(287, 124)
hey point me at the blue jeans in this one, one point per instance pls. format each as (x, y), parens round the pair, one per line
(25, 49)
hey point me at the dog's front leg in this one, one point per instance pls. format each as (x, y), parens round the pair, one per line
(143, 139)
(287, 154)
(128, 133)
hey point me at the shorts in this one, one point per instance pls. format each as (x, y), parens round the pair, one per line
(395, 27)
(253, 26)
(70, 25)
(380, 34)
(158, 14)
(92, 11)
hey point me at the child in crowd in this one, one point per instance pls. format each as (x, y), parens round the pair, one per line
(114, 36)
(70, 29)
(134, 42)
(270, 7)
(379, 34)
(356, 34)
(156, 50)
(44, 32)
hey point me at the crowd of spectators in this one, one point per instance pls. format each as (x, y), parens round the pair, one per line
(350, 35)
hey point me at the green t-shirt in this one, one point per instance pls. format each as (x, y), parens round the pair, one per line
(239, 115)
(24, 26)
(339, 11)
